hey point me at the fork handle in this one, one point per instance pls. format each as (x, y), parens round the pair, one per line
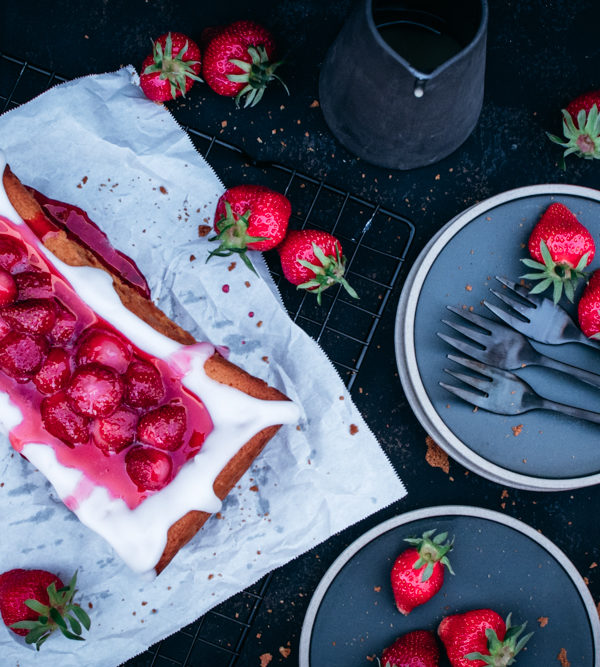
(579, 373)
(578, 413)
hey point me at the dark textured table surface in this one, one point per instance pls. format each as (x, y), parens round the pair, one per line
(541, 53)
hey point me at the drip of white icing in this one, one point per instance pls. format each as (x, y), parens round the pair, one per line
(139, 536)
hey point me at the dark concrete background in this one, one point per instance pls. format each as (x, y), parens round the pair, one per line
(541, 53)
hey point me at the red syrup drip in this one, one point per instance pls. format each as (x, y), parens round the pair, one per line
(100, 469)
(78, 226)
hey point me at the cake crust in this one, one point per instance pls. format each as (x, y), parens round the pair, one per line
(216, 367)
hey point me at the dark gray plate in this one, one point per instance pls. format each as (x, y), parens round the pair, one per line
(499, 562)
(551, 451)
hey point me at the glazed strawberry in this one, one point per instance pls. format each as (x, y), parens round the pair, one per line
(588, 308)
(112, 434)
(61, 421)
(249, 217)
(101, 347)
(238, 61)
(560, 247)
(8, 288)
(95, 390)
(149, 469)
(22, 355)
(143, 385)
(480, 637)
(55, 371)
(581, 127)
(313, 260)
(34, 284)
(172, 67)
(418, 648)
(64, 326)
(418, 572)
(33, 316)
(12, 254)
(163, 427)
(32, 601)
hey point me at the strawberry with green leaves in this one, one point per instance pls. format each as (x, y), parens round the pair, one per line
(581, 127)
(172, 67)
(418, 572)
(560, 247)
(480, 638)
(35, 603)
(313, 260)
(415, 649)
(588, 308)
(249, 217)
(238, 61)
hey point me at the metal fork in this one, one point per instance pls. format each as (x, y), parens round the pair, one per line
(505, 348)
(545, 321)
(505, 393)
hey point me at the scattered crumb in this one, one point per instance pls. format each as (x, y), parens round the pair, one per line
(436, 456)
(192, 258)
(285, 652)
(265, 359)
(543, 621)
(223, 123)
(469, 288)
(341, 398)
(353, 429)
(562, 658)
(377, 589)
(504, 494)
(144, 604)
(163, 190)
(517, 429)
(231, 266)
(204, 230)
(259, 324)
(593, 565)
(265, 659)
(314, 104)
(247, 283)
(254, 488)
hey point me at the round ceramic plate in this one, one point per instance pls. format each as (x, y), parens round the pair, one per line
(500, 563)
(538, 450)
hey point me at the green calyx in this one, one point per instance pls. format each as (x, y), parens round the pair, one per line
(582, 139)
(502, 653)
(61, 613)
(559, 276)
(329, 272)
(256, 75)
(233, 236)
(431, 551)
(172, 68)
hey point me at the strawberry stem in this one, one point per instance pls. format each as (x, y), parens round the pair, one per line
(431, 550)
(502, 653)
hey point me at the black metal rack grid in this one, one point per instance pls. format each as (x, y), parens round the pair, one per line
(375, 241)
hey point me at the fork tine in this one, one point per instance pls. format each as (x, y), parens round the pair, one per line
(469, 332)
(519, 307)
(521, 290)
(468, 396)
(471, 364)
(460, 345)
(512, 321)
(476, 383)
(480, 321)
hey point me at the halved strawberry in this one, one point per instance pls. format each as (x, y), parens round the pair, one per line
(143, 385)
(95, 390)
(101, 347)
(55, 371)
(163, 427)
(13, 254)
(22, 355)
(8, 288)
(149, 469)
(34, 284)
(61, 421)
(113, 433)
(33, 316)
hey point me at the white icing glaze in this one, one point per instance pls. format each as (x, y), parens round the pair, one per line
(139, 535)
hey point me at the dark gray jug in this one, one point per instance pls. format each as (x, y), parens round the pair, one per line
(385, 110)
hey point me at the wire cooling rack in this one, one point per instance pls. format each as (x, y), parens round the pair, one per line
(376, 242)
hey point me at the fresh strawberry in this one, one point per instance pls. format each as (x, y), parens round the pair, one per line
(249, 217)
(172, 67)
(560, 247)
(238, 61)
(35, 603)
(13, 254)
(33, 316)
(480, 637)
(313, 260)
(143, 385)
(588, 308)
(113, 433)
(22, 355)
(61, 421)
(55, 371)
(418, 648)
(418, 572)
(101, 347)
(581, 127)
(163, 427)
(34, 284)
(8, 288)
(149, 469)
(95, 390)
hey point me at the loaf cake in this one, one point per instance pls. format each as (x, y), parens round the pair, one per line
(141, 429)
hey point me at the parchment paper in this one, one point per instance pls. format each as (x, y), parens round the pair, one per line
(97, 142)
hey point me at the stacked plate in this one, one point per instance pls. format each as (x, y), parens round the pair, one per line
(538, 450)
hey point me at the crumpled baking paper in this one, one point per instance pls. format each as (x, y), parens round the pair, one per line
(97, 142)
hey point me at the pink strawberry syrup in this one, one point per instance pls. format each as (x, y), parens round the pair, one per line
(99, 469)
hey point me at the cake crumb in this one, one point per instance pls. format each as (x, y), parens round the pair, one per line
(285, 652)
(436, 457)
(163, 190)
(314, 104)
(543, 621)
(377, 589)
(353, 429)
(232, 266)
(265, 659)
(562, 658)
(469, 288)
(192, 258)
(265, 359)
(504, 494)
(254, 488)
(517, 429)
(204, 230)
